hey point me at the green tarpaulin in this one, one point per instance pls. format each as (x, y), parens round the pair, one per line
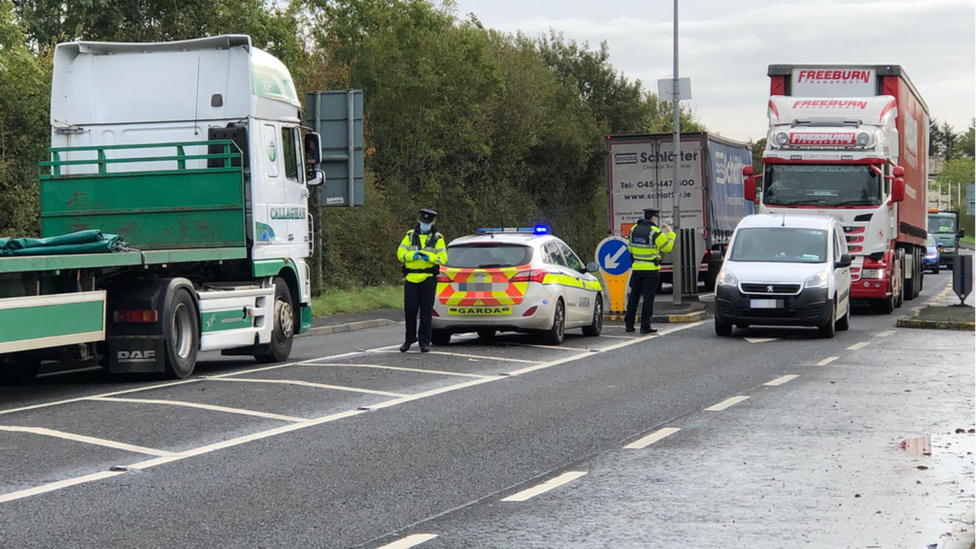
(82, 242)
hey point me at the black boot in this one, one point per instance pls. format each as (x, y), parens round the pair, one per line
(406, 346)
(424, 347)
(630, 329)
(648, 330)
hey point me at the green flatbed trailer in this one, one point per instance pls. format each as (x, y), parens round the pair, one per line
(188, 229)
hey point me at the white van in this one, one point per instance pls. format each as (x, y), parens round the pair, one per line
(785, 270)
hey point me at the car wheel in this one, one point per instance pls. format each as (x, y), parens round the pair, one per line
(283, 332)
(556, 334)
(828, 329)
(722, 328)
(935, 270)
(844, 323)
(596, 327)
(19, 368)
(441, 338)
(487, 333)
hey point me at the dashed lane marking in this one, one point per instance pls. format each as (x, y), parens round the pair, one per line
(760, 339)
(550, 484)
(86, 439)
(311, 384)
(885, 333)
(827, 360)
(412, 540)
(396, 368)
(476, 357)
(726, 403)
(211, 407)
(644, 442)
(858, 346)
(781, 380)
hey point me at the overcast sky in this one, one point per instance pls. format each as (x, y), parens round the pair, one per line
(726, 45)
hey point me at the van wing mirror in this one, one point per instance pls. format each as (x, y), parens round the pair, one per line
(898, 190)
(313, 149)
(845, 261)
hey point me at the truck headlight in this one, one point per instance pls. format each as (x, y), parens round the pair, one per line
(863, 138)
(872, 274)
(726, 278)
(782, 139)
(819, 280)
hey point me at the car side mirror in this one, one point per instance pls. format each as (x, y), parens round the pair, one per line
(314, 178)
(592, 267)
(313, 149)
(898, 190)
(845, 261)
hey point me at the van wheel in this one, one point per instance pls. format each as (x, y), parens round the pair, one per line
(441, 338)
(828, 329)
(556, 334)
(596, 327)
(19, 368)
(844, 323)
(283, 333)
(182, 334)
(722, 328)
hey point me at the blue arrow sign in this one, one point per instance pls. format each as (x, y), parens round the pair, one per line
(613, 256)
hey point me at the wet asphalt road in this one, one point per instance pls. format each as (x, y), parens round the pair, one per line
(352, 445)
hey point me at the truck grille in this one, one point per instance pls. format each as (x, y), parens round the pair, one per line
(755, 288)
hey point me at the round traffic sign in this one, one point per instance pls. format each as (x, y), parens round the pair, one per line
(613, 256)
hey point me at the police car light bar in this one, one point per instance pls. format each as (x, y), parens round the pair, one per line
(538, 229)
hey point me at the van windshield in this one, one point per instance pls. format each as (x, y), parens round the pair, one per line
(780, 245)
(488, 256)
(821, 185)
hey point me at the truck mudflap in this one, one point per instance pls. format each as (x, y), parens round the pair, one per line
(43, 321)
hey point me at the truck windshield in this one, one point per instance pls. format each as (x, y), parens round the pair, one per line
(780, 245)
(942, 224)
(821, 185)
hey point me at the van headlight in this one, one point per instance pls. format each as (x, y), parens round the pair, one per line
(726, 278)
(819, 280)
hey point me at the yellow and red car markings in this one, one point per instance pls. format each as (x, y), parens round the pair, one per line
(474, 287)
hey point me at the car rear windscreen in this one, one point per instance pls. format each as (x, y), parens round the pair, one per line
(783, 245)
(487, 256)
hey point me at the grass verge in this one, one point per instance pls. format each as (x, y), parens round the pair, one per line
(336, 301)
(970, 239)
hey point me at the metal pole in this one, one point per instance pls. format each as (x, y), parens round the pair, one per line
(317, 193)
(351, 146)
(676, 255)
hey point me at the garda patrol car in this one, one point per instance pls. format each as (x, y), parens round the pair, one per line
(516, 280)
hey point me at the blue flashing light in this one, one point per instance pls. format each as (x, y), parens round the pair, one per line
(538, 229)
(541, 229)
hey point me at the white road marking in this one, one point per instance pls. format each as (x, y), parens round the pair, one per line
(412, 540)
(781, 380)
(285, 428)
(212, 407)
(618, 337)
(311, 384)
(858, 346)
(885, 333)
(760, 339)
(478, 357)
(547, 347)
(652, 438)
(550, 484)
(397, 368)
(52, 486)
(86, 439)
(827, 360)
(726, 403)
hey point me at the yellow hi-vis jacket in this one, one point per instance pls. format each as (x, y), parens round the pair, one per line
(420, 269)
(647, 243)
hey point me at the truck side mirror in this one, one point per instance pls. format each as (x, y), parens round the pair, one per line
(898, 171)
(898, 190)
(314, 178)
(747, 171)
(313, 149)
(962, 233)
(749, 189)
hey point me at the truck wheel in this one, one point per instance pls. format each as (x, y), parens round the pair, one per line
(182, 335)
(828, 329)
(596, 327)
(441, 338)
(883, 306)
(722, 328)
(556, 334)
(19, 368)
(283, 333)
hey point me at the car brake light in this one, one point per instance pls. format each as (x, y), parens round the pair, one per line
(443, 278)
(531, 311)
(146, 317)
(434, 312)
(535, 275)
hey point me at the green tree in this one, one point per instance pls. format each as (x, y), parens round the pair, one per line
(955, 176)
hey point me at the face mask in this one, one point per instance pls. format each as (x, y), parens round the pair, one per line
(424, 227)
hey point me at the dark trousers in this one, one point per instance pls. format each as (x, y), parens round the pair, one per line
(642, 284)
(419, 296)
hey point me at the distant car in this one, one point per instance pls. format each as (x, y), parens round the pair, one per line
(933, 253)
(516, 280)
(785, 270)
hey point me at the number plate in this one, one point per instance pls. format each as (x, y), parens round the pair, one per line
(479, 311)
(763, 303)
